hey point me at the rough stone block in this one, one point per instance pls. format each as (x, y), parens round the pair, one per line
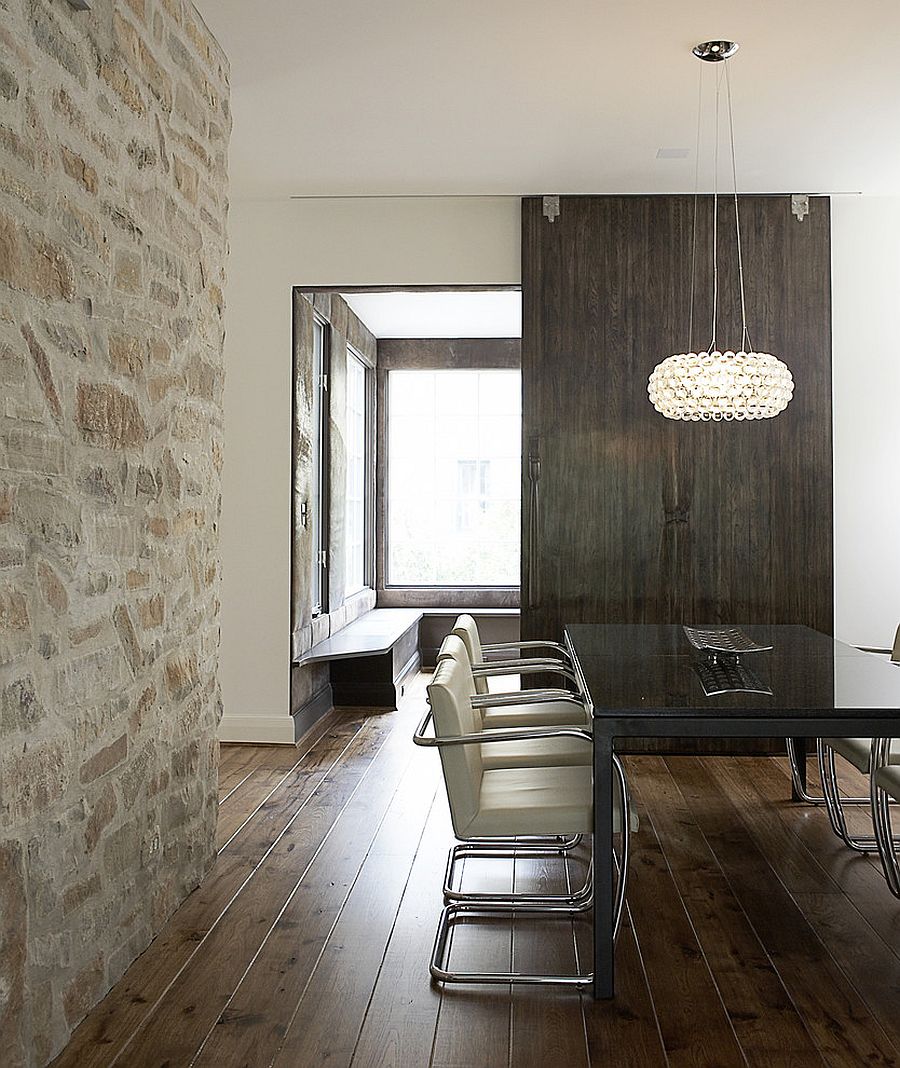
(111, 756)
(128, 637)
(108, 417)
(52, 588)
(20, 708)
(78, 169)
(42, 370)
(128, 271)
(33, 264)
(101, 814)
(152, 612)
(34, 779)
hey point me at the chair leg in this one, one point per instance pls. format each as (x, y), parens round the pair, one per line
(563, 905)
(459, 911)
(884, 836)
(834, 804)
(804, 795)
(509, 849)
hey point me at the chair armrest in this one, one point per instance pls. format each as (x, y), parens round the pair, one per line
(548, 662)
(499, 647)
(525, 697)
(506, 734)
(524, 667)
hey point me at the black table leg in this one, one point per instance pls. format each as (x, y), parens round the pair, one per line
(800, 756)
(604, 872)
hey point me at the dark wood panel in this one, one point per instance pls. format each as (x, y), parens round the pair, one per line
(642, 519)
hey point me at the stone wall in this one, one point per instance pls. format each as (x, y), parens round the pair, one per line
(114, 125)
(308, 684)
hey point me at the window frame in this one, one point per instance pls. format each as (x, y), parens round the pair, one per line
(482, 354)
(368, 540)
(321, 522)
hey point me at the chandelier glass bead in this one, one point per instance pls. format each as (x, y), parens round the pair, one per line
(720, 386)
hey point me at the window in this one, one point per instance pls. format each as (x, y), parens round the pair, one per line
(357, 499)
(318, 480)
(453, 483)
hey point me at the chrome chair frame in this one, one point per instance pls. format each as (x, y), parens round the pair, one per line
(797, 782)
(834, 803)
(881, 817)
(491, 905)
(498, 668)
(562, 653)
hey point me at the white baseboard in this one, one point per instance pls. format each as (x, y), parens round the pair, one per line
(261, 729)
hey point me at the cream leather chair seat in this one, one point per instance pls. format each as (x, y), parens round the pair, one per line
(539, 801)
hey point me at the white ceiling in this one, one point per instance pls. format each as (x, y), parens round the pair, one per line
(491, 313)
(355, 97)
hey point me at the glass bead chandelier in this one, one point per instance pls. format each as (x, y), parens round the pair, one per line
(716, 385)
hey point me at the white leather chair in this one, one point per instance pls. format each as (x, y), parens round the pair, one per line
(527, 708)
(885, 789)
(557, 660)
(500, 803)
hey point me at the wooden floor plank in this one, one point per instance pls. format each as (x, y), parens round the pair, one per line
(817, 984)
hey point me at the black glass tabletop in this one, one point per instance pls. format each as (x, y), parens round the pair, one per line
(645, 668)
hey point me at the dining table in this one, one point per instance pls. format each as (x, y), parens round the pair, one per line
(649, 681)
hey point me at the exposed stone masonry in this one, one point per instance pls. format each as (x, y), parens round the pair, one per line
(114, 126)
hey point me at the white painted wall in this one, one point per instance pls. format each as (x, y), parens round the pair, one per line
(274, 246)
(865, 247)
(442, 241)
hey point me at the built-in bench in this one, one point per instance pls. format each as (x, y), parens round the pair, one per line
(370, 657)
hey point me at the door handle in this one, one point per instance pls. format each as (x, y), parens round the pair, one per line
(532, 587)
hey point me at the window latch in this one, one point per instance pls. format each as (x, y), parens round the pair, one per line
(323, 383)
(323, 557)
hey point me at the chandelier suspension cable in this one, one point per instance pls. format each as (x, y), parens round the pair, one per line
(715, 238)
(727, 384)
(694, 221)
(745, 334)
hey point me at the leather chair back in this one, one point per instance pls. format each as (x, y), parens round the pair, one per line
(449, 693)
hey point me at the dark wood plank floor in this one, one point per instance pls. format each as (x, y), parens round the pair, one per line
(753, 936)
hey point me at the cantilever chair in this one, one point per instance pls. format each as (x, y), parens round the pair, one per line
(499, 804)
(556, 660)
(528, 708)
(859, 758)
(885, 788)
